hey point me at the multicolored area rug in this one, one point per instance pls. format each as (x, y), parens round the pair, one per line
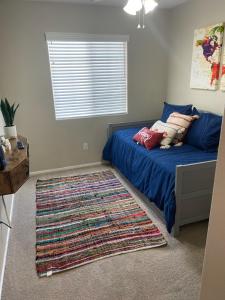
(81, 219)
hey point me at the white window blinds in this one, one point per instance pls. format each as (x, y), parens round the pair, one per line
(89, 74)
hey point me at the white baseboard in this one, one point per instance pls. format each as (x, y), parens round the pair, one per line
(6, 248)
(88, 165)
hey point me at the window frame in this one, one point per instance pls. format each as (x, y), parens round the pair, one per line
(55, 36)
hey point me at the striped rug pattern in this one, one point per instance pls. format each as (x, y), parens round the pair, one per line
(81, 219)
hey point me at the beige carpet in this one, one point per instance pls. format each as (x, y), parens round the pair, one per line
(168, 273)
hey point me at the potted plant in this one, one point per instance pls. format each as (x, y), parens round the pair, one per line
(8, 112)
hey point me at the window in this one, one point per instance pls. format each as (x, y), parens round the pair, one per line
(89, 74)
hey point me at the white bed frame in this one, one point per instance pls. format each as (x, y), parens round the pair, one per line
(193, 186)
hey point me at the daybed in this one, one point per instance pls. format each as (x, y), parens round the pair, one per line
(179, 180)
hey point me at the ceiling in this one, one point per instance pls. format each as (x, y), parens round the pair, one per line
(162, 3)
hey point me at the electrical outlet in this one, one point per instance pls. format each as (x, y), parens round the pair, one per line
(85, 146)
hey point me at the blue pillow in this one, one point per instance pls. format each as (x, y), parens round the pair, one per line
(204, 133)
(170, 108)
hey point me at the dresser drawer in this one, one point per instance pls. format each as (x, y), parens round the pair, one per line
(19, 175)
(5, 184)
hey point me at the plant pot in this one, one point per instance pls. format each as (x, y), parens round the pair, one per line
(10, 132)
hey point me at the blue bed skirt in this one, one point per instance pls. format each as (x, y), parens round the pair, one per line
(152, 172)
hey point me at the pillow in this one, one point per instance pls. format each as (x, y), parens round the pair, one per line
(141, 135)
(169, 131)
(148, 138)
(181, 123)
(153, 139)
(205, 132)
(170, 108)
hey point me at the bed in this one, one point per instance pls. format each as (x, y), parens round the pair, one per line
(179, 180)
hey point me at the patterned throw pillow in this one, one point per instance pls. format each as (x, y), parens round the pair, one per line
(169, 132)
(181, 123)
(148, 138)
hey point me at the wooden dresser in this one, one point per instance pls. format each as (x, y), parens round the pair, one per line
(17, 168)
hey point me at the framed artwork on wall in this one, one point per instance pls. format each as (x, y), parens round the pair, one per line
(207, 48)
(222, 81)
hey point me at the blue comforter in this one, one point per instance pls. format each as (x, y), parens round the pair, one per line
(152, 172)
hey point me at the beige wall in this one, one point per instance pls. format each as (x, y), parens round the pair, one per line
(213, 286)
(183, 21)
(24, 75)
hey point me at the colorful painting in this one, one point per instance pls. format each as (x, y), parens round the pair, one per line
(222, 82)
(206, 57)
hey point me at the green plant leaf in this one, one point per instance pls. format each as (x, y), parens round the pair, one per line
(12, 112)
(9, 111)
(5, 113)
(15, 111)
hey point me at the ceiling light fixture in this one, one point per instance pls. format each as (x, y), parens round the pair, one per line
(140, 6)
(133, 6)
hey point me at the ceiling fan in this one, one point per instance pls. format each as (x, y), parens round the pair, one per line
(140, 7)
(137, 7)
(134, 6)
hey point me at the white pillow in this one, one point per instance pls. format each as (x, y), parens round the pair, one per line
(170, 132)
